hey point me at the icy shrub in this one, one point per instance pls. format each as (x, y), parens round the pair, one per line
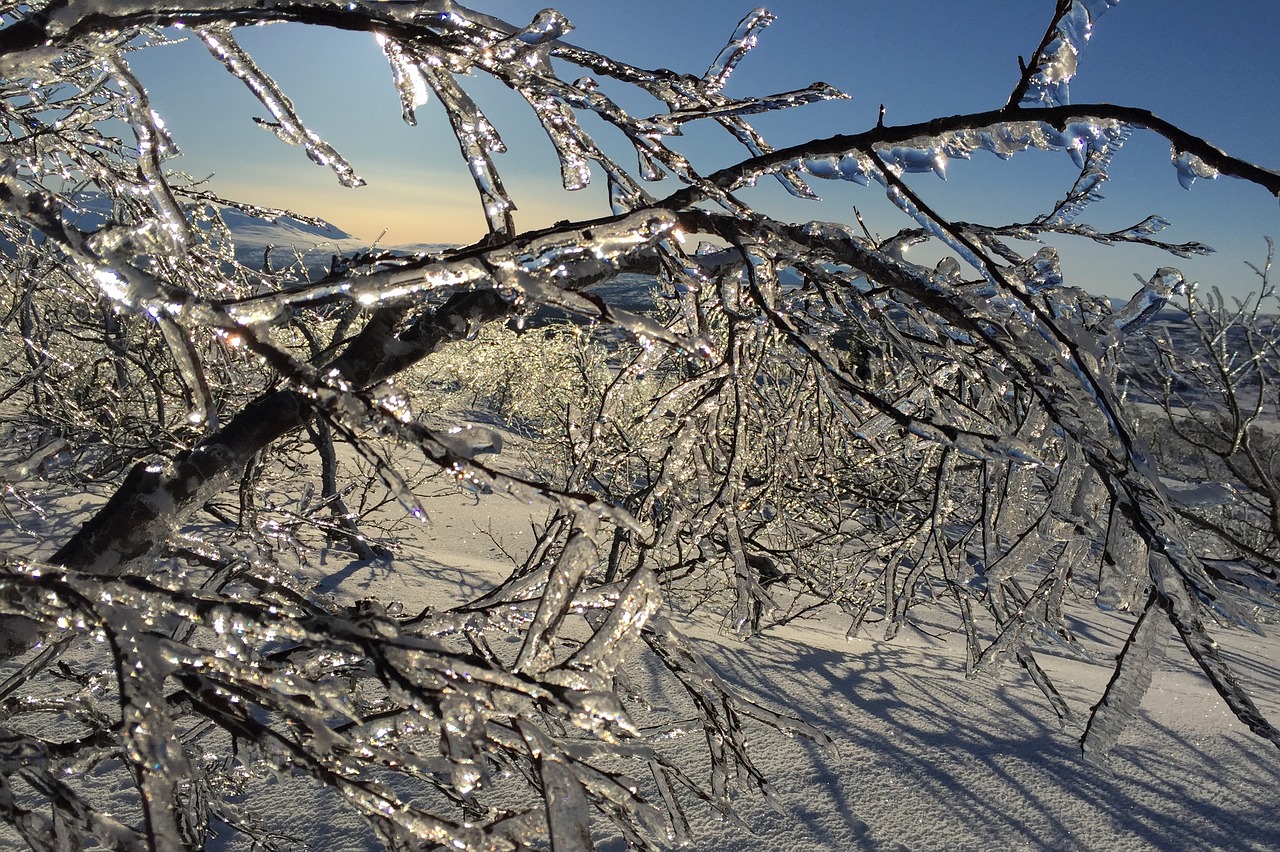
(811, 423)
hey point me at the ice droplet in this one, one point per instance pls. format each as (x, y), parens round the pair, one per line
(547, 25)
(1190, 167)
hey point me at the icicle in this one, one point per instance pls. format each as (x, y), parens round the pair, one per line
(478, 140)
(740, 44)
(573, 147)
(287, 125)
(407, 76)
(853, 166)
(909, 159)
(1083, 139)
(649, 168)
(1142, 652)
(1051, 77)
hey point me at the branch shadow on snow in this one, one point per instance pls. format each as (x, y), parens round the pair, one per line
(936, 761)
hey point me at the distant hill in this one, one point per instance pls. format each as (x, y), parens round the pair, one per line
(286, 240)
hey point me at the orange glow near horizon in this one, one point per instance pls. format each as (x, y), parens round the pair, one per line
(412, 209)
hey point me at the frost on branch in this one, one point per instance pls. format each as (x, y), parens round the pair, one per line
(731, 420)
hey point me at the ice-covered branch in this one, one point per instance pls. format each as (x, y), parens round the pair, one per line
(794, 420)
(1047, 77)
(1003, 132)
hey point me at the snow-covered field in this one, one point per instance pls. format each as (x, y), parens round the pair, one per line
(924, 758)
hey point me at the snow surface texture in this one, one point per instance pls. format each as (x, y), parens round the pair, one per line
(923, 759)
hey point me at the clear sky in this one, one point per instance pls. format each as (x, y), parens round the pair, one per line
(1210, 67)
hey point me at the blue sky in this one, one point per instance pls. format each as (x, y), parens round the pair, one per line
(1208, 67)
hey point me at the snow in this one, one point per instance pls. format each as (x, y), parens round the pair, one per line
(922, 757)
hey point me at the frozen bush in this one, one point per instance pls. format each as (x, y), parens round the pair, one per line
(810, 422)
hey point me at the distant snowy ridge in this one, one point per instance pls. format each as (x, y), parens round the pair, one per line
(290, 240)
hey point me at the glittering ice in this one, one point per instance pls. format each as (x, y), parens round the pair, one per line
(286, 125)
(913, 160)
(1190, 167)
(740, 43)
(1051, 76)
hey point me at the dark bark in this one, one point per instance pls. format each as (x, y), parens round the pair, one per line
(154, 498)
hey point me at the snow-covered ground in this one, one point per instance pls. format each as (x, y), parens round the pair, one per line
(923, 758)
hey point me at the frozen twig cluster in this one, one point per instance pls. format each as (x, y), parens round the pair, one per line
(823, 424)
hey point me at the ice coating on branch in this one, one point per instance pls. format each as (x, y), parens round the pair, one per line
(568, 812)
(1094, 173)
(579, 556)
(1119, 704)
(173, 233)
(1041, 271)
(933, 227)
(848, 381)
(614, 639)
(1156, 292)
(740, 43)
(409, 81)
(1056, 62)
(532, 266)
(573, 147)
(751, 106)
(1089, 141)
(1190, 167)
(286, 125)
(1078, 137)
(478, 141)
